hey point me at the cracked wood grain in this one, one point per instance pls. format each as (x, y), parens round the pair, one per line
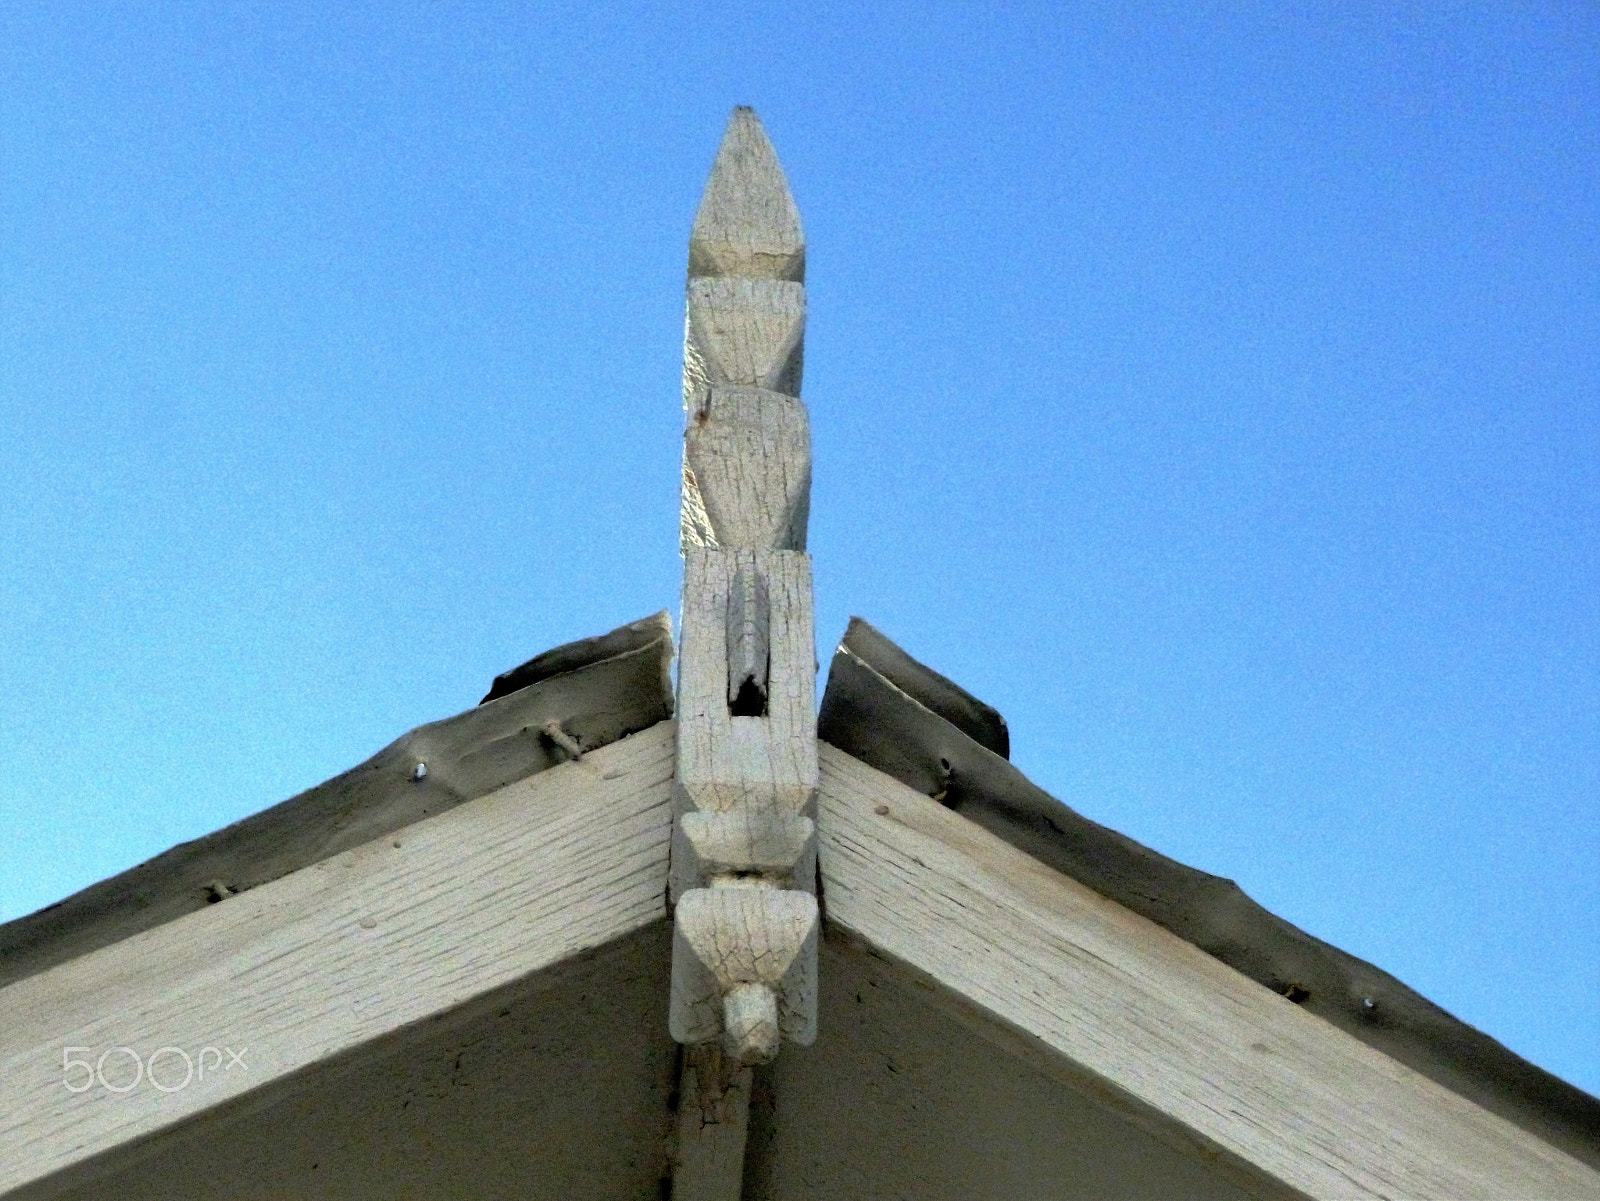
(747, 224)
(743, 863)
(713, 1117)
(743, 331)
(747, 470)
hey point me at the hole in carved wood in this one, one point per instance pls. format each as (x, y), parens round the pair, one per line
(749, 640)
(749, 701)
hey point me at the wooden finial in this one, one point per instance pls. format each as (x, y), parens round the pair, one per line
(744, 843)
(743, 331)
(747, 224)
(747, 444)
(747, 471)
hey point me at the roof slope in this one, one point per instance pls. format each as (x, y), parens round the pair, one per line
(595, 690)
(330, 961)
(555, 1086)
(876, 709)
(1061, 979)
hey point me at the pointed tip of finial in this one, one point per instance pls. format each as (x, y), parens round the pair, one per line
(747, 224)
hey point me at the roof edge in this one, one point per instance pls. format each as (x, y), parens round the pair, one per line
(574, 656)
(980, 722)
(607, 688)
(871, 718)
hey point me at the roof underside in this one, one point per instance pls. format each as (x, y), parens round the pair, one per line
(560, 1086)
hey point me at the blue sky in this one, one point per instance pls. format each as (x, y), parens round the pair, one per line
(1213, 389)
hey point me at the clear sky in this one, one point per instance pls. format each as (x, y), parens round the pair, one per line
(1213, 389)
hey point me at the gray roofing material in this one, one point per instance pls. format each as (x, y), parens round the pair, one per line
(875, 709)
(654, 632)
(596, 691)
(980, 722)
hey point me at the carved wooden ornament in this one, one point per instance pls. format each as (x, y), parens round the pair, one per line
(744, 849)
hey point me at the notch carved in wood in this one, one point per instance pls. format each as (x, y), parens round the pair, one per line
(776, 850)
(733, 765)
(749, 630)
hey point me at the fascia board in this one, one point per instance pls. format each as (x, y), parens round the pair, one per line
(1095, 994)
(337, 954)
(595, 691)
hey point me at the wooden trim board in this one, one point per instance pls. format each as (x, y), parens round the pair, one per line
(896, 715)
(596, 691)
(336, 954)
(1089, 990)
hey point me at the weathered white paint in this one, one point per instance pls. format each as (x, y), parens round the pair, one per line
(758, 767)
(782, 850)
(734, 936)
(744, 854)
(745, 792)
(332, 956)
(1092, 992)
(747, 224)
(743, 331)
(747, 470)
(748, 641)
